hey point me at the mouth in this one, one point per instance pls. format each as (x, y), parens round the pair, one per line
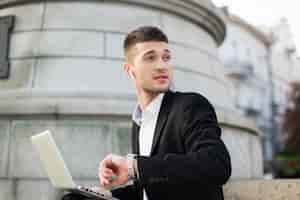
(161, 77)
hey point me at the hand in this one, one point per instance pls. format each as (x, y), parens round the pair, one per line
(113, 166)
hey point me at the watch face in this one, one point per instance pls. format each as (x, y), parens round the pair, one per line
(131, 172)
(131, 155)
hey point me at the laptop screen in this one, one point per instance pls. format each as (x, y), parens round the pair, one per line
(52, 160)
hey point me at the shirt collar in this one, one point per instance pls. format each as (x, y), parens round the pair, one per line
(151, 110)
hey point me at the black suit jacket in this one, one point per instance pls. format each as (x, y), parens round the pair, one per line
(188, 159)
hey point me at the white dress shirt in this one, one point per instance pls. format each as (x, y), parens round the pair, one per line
(147, 121)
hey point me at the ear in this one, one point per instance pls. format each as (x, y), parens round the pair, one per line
(127, 69)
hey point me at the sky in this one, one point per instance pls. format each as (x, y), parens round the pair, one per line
(267, 13)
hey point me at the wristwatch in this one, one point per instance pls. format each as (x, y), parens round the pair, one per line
(130, 162)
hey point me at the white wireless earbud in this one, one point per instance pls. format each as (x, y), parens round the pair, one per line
(131, 74)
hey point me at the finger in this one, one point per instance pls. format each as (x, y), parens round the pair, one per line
(107, 172)
(108, 176)
(106, 163)
(102, 179)
(100, 175)
(106, 180)
(103, 182)
(102, 169)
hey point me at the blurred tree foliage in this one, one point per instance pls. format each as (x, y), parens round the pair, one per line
(291, 119)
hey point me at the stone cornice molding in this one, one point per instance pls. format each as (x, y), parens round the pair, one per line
(41, 102)
(202, 13)
(260, 35)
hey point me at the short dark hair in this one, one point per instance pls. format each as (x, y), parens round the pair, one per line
(144, 34)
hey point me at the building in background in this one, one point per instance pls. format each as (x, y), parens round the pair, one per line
(260, 62)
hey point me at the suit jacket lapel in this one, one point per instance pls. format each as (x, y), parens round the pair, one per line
(162, 118)
(135, 138)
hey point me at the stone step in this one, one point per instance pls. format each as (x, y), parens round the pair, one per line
(277, 189)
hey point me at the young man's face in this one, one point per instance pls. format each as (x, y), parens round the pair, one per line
(149, 66)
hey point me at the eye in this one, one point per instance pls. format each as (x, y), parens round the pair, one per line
(150, 58)
(167, 58)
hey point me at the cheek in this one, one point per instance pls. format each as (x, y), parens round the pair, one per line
(142, 76)
(170, 72)
(145, 72)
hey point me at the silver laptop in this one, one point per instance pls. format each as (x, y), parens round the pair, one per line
(56, 168)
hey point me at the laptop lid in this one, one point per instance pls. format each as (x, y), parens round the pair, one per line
(52, 160)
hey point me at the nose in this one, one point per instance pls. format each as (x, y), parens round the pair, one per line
(162, 64)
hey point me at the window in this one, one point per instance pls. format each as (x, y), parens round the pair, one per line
(6, 26)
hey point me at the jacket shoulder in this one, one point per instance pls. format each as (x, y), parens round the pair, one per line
(191, 98)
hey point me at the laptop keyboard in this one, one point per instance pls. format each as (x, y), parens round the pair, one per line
(92, 192)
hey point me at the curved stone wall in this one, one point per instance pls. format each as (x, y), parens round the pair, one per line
(66, 75)
(52, 41)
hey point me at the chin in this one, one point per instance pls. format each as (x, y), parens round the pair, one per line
(158, 90)
(163, 89)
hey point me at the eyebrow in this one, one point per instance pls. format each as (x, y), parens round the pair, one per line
(152, 51)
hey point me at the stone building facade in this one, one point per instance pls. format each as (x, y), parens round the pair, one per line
(260, 62)
(285, 69)
(66, 76)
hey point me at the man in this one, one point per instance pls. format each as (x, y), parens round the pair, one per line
(175, 136)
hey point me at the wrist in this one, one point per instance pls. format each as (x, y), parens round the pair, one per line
(132, 166)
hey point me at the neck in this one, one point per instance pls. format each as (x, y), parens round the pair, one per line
(145, 98)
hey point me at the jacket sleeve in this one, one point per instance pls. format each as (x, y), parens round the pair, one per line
(206, 161)
(126, 193)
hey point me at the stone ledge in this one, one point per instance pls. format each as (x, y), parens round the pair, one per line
(26, 102)
(262, 190)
